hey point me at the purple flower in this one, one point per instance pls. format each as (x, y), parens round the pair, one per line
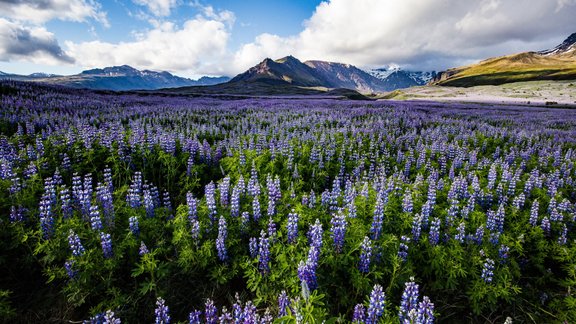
(211, 312)
(46, 217)
(365, 255)
(376, 306)
(488, 270)
(376, 228)
(195, 317)
(143, 249)
(359, 314)
(283, 304)
(315, 234)
(106, 242)
(263, 254)
(434, 235)
(110, 318)
(338, 231)
(253, 247)
(161, 312)
(292, 227)
(221, 240)
(425, 311)
(256, 211)
(95, 221)
(75, 244)
(403, 249)
(409, 303)
(133, 225)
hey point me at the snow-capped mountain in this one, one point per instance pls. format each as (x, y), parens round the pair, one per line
(394, 77)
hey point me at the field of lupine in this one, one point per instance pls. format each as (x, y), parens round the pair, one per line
(142, 208)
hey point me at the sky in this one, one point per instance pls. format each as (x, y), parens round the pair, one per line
(192, 38)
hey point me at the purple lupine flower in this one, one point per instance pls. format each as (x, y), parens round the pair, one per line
(16, 214)
(221, 240)
(195, 229)
(271, 228)
(488, 270)
(409, 304)
(245, 221)
(562, 239)
(195, 317)
(416, 227)
(211, 312)
(460, 233)
(256, 211)
(95, 221)
(315, 234)
(307, 275)
(75, 244)
(192, 205)
(503, 253)
(365, 255)
(545, 225)
(359, 314)
(425, 311)
(352, 210)
(210, 194)
(403, 249)
(223, 188)
(376, 305)
(263, 254)
(70, 271)
(106, 242)
(235, 202)
(65, 203)
(434, 235)
(134, 225)
(253, 247)
(148, 203)
(110, 318)
(338, 230)
(292, 227)
(46, 217)
(143, 250)
(226, 317)
(283, 304)
(161, 312)
(407, 206)
(376, 228)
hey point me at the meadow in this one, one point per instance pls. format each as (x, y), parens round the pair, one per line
(147, 208)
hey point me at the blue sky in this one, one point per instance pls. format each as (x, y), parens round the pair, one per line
(224, 37)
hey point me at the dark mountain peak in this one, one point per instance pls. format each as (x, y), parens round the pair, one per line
(111, 70)
(569, 44)
(288, 59)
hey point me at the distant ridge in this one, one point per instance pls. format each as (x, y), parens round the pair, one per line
(558, 63)
(117, 78)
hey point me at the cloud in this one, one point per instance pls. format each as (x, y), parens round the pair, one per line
(199, 46)
(432, 34)
(36, 44)
(41, 11)
(158, 8)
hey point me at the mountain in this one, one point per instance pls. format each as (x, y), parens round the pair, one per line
(291, 71)
(558, 63)
(395, 78)
(117, 78)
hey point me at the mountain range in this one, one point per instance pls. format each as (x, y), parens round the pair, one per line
(558, 63)
(118, 78)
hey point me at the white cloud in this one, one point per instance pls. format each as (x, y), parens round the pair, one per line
(197, 47)
(422, 34)
(158, 7)
(41, 11)
(31, 44)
